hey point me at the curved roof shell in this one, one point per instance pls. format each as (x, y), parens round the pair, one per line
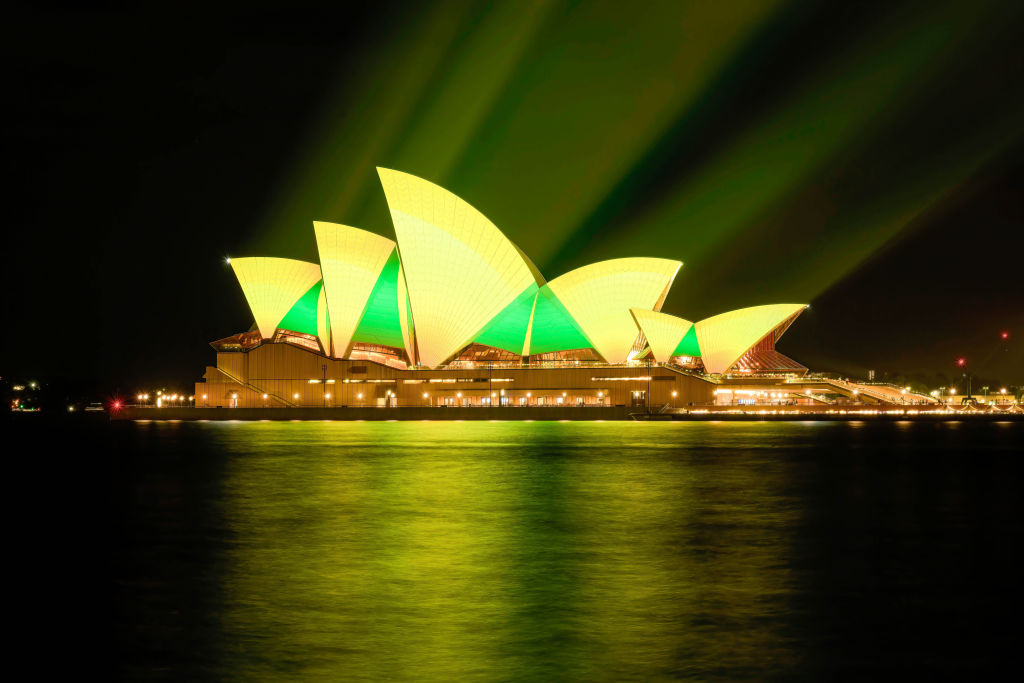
(302, 316)
(381, 321)
(405, 316)
(725, 338)
(323, 322)
(460, 270)
(599, 297)
(553, 328)
(664, 332)
(508, 329)
(272, 286)
(352, 261)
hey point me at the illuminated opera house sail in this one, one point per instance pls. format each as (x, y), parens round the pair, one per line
(452, 294)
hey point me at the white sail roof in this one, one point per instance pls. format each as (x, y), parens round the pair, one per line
(351, 260)
(599, 297)
(663, 331)
(460, 270)
(724, 338)
(272, 285)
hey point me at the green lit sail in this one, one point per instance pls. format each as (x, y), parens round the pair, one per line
(688, 344)
(302, 315)
(380, 323)
(553, 328)
(508, 329)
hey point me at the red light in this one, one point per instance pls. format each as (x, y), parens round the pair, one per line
(1005, 335)
(116, 405)
(961, 362)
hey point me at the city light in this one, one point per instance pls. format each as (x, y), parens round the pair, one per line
(952, 391)
(1003, 391)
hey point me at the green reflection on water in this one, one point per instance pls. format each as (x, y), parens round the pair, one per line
(501, 551)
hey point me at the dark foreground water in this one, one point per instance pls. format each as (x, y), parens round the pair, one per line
(541, 551)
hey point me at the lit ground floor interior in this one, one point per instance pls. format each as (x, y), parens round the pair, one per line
(276, 376)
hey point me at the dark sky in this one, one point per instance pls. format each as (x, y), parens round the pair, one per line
(866, 159)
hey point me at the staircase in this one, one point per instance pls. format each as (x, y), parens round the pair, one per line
(256, 389)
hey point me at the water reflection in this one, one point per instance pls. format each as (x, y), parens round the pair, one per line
(445, 551)
(512, 551)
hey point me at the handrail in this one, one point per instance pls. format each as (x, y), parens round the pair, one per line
(253, 387)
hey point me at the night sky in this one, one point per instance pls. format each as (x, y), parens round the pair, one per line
(866, 159)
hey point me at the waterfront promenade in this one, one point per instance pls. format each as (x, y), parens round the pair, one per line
(711, 413)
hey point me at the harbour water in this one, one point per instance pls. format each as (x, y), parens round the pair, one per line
(548, 550)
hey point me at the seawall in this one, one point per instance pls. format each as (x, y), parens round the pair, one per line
(540, 413)
(374, 413)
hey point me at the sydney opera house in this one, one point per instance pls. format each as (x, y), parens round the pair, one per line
(453, 313)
